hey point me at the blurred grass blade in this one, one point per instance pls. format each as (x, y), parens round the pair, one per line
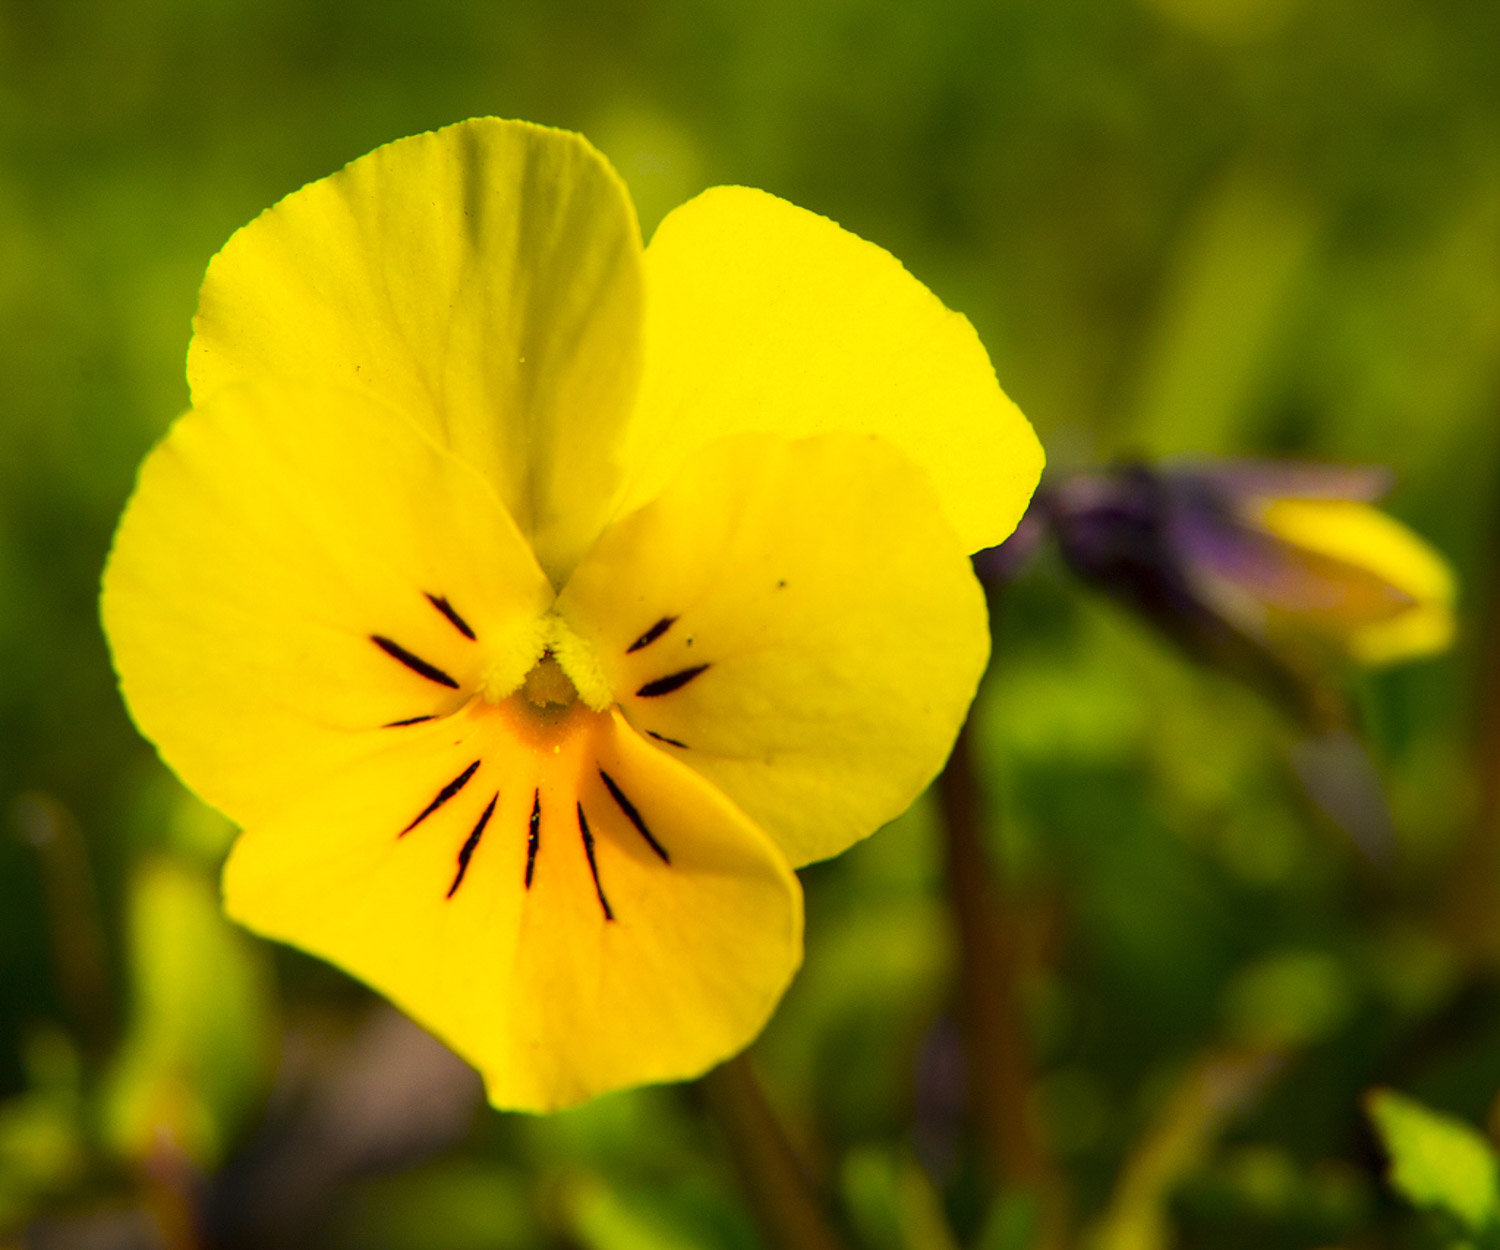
(893, 1203)
(1220, 314)
(600, 1219)
(198, 1048)
(42, 1149)
(1215, 1089)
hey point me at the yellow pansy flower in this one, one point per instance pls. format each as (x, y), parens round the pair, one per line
(536, 601)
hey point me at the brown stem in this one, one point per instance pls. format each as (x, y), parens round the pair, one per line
(80, 965)
(1474, 898)
(776, 1186)
(999, 1066)
(170, 1187)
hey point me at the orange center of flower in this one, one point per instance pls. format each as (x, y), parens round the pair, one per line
(548, 687)
(545, 756)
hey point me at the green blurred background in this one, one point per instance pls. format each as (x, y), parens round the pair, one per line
(1216, 226)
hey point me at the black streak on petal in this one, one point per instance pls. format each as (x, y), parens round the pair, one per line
(671, 742)
(414, 662)
(533, 836)
(588, 849)
(470, 843)
(673, 681)
(652, 634)
(410, 720)
(634, 816)
(443, 795)
(441, 603)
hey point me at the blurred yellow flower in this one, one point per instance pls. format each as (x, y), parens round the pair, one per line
(1389, 596)
(536, 601)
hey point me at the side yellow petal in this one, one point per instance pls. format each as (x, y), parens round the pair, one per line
(561, 963)
(797, 621)
(763, 317)
(276, 536)
(1414, 615)
(484, 279)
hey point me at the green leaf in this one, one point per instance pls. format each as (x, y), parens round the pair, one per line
(197, 1054)
(1437, 1162)
(42, 1149)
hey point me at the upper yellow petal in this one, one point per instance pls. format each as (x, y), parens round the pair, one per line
(484, 279)
(284, 546)
(797, 621)
(763, 317)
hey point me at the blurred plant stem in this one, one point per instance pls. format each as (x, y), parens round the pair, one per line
(778, 1189)
(170, 1190)
(75, 931)
(998, 1061)
(1473, 904)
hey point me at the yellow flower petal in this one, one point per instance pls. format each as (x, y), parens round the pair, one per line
(763, 317)
(291, 557)
(797, 621)
(484, 280)
(580, 913)
(1392, 594)
(1424, 629)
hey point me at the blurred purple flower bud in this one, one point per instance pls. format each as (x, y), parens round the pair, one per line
(1294, 554)
(1128, 532)
(1266, 569)
(1269, 571)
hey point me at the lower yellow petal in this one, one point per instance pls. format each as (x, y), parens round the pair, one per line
(569, 909)
(797, 621)
(299, 571)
